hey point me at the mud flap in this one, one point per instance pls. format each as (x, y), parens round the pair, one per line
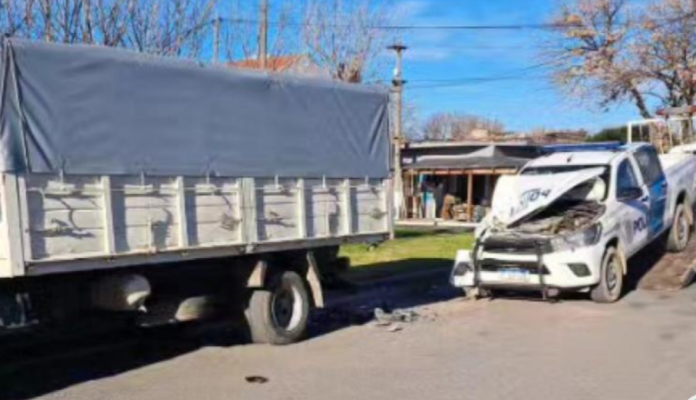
(314, 281)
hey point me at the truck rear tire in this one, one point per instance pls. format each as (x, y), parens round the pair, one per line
(279, 313)
(679, 233)
(610, 287)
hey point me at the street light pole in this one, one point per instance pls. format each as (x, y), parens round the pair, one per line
(398, 87)
(263, 35)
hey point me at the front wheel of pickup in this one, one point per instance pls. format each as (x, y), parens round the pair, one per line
(679, 233)
(610, 285)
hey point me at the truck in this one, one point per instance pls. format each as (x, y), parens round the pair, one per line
(571, 219)
(150, 190)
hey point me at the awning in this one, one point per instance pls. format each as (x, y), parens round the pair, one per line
(488, 157)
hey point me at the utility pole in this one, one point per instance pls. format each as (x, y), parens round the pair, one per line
(263, 34)
(398, 82)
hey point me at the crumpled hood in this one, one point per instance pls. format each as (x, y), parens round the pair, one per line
(519, 196)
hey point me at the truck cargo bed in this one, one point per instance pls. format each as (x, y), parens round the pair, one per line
(54, 223)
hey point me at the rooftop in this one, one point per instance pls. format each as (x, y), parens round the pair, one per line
(276, 64)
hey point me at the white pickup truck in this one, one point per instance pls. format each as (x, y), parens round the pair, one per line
(570, 220)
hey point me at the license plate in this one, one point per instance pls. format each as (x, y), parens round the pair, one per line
(514, 275)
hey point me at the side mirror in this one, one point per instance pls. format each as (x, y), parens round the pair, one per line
(630, 194)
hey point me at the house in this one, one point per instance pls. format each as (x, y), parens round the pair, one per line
(543, 136)
(296, 64)
(459, 177)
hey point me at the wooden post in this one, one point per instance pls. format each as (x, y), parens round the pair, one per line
(470, 196)
(488, 191)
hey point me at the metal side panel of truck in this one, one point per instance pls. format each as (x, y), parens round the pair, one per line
(59, 224)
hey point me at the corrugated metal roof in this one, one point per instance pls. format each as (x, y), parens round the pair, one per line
(475, 157)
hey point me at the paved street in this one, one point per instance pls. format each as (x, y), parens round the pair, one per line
(639, 349)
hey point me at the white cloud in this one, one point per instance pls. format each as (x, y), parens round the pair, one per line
(425, 54)
(407, 10)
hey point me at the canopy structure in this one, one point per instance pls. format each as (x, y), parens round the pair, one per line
(471, 157)
(457, 179)
(93, 110)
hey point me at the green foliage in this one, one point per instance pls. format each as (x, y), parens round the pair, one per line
(615, 134)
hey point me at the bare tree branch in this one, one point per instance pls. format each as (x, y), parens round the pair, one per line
(459, 126)
(615, 53)
(343, 36)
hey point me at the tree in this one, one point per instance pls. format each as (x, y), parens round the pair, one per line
(459, 126)
(340, 36)
(171, 27)
(241, 26)
(614, 134)
(344, 36)
(608, 50)
(618, 134)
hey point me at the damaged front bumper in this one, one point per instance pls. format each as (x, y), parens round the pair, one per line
(528, 265)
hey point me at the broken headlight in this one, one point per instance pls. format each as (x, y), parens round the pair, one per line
(585, 238)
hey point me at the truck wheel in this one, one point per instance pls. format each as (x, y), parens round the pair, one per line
(610, 285)
(278, 314)
(679, 233)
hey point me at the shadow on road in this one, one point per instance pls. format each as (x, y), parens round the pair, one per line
(642, 263)
(389, 286)
(35, 370)
(49, 367)
(28, 370)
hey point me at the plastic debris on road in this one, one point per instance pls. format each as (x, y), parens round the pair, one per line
(393, 320)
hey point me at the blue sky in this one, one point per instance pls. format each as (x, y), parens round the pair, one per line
(526, 102)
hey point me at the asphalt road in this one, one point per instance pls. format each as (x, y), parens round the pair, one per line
(641, 348)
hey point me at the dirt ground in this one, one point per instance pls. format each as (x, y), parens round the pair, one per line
(641, 348)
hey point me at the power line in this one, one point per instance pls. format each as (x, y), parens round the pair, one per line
(454, 27)
(543, 26)
(477, 81)
(511, 75)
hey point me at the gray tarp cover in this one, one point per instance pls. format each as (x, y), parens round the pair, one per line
(94, 110)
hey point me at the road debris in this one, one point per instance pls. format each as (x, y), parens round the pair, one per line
(256, 379)
(383, 317)
(394, 320)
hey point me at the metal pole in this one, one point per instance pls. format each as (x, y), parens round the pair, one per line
(263, 35)
(398, 83)
(216, 43)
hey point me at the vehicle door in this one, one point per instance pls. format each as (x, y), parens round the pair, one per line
(655, 185)
(632, 214)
